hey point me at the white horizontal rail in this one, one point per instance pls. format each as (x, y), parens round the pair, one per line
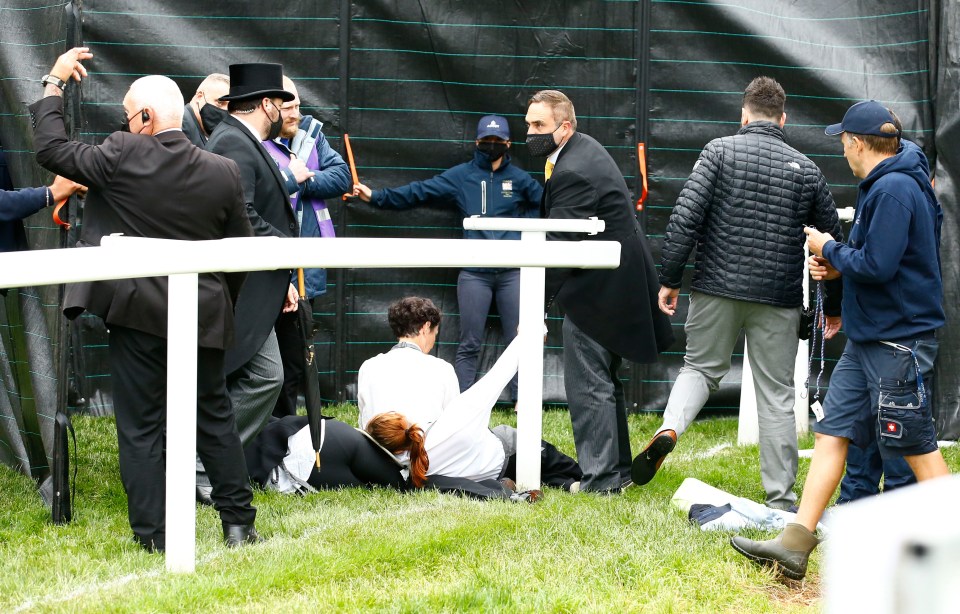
(589, 226)
(129, 257)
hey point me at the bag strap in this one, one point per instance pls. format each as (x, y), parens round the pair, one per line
(303, 487)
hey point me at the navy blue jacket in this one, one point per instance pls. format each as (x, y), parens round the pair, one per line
(14, 206)
(892, 287)
(476, 189)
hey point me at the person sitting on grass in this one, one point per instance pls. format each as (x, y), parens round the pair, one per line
(458, 442)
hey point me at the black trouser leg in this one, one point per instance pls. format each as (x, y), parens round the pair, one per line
(138, 367)
(218, 443)
(290, 340)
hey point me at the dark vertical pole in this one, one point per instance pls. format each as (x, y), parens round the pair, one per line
(339, 351)
(642, 21)
(73, 36)
(634, 390)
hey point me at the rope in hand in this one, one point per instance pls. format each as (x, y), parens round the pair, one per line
(819, 320)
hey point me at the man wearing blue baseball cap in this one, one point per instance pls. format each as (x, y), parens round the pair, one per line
(881, 388)
(488, 186)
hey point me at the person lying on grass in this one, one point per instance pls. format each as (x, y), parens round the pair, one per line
(282, 458)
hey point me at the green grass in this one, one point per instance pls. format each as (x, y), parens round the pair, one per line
(421, 552)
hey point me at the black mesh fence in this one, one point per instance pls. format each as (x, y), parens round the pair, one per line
(409, 80)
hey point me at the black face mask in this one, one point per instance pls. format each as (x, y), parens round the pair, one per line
(125, 121)
(542, 145)
(492, 149)
(275, 125)
(210, 116)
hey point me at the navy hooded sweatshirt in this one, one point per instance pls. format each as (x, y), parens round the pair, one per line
(892, 287)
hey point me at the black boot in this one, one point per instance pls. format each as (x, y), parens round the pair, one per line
(156, 542)
(238, 534)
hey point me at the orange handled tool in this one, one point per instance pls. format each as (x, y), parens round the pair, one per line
(56, 214)
(353, 165)
(642, 163)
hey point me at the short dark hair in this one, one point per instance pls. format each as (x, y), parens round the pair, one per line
(408, 315)
(765, 97)
(243, 106)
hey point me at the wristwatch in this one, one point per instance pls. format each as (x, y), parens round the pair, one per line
(51, 80)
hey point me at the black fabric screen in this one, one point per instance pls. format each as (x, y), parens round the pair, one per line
(409, 80)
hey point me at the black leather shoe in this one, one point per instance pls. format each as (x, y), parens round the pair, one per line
(238, 534)
(646, 463)
(151, 543)
(203, 496)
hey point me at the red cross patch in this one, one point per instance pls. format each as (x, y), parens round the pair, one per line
(892, 428)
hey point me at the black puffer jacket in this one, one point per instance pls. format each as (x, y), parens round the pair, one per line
(743, 209)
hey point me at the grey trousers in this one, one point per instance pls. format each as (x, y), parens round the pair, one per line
(253, 390)
(597, 410)
(712, 327)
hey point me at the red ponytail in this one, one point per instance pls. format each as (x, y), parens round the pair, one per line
(393, 432)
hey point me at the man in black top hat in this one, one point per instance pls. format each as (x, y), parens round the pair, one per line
(253, 365)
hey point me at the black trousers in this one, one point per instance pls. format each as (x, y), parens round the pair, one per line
(597, 410)
(138, 364)
(290, 340)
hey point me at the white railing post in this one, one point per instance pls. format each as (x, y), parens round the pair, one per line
(530, 375)
(181, 511)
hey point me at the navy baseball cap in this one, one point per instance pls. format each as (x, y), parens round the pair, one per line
(865, 117)
(493, 125)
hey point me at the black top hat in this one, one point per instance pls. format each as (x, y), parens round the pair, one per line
(256, 81)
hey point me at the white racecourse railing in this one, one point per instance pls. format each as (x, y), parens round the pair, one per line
(129, 257)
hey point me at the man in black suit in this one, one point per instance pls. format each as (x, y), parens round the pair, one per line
(609, 314)
(254, 368)
(204, 111)
(148, 180)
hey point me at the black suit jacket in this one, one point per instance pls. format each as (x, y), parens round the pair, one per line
(147, 186)
(270, 213)
(191, 127)
(615, 307)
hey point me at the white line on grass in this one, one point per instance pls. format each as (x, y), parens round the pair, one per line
(272, 543)
(708, 453)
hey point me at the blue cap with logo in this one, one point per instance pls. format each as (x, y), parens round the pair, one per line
(493, 125)
(865, 117)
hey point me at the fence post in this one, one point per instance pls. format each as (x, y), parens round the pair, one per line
(181, 511)
(530, 376)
